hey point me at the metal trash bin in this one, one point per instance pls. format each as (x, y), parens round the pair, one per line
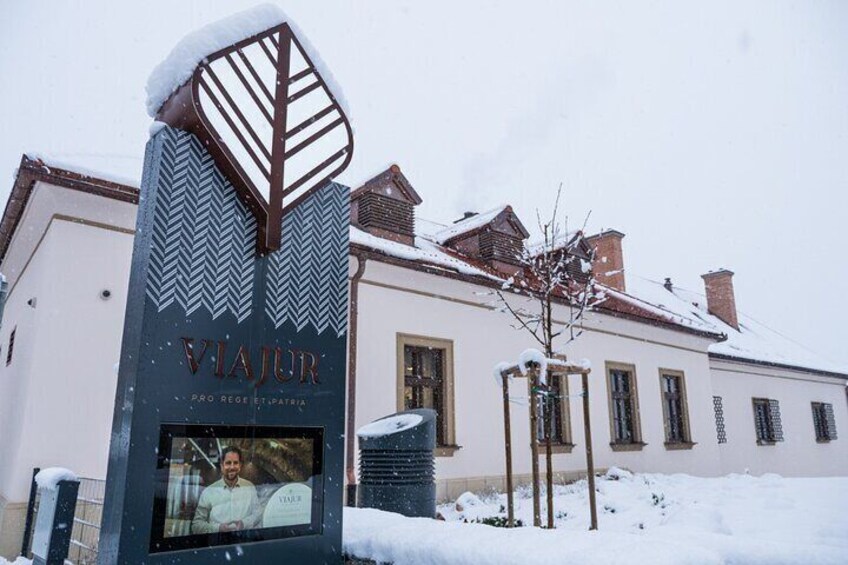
(397, 465)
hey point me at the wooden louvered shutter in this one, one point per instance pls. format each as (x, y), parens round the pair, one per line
(830, 421)
(777, 426)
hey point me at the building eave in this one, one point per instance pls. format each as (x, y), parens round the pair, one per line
(31, 171)
(379, 256)
(760, 363)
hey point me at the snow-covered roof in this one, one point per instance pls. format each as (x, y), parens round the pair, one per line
(562, 239)
(644, 297)
(96, 166)
(425, 252)
(753, 340)
(470, 224)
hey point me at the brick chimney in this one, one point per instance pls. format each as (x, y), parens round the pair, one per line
(721, 301)
(385, 206)
(608, 265)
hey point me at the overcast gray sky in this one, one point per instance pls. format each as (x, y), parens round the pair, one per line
(714, 134)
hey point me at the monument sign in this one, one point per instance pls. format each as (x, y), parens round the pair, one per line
(229, 417)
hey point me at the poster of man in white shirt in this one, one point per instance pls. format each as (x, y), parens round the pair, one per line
(229, 504)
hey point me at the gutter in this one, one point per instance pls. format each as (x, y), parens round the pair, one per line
(771, 364)
(350, 431)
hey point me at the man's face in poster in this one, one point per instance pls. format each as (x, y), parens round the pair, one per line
(231, 467)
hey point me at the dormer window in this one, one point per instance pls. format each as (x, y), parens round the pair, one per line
(385, 206)
(496, 237)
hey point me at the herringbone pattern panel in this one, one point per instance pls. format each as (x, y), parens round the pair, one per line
(203, 237)
(307, 277)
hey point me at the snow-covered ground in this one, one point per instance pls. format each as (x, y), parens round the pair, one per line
(643, 518)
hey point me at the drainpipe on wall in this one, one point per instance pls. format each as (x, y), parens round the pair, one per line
(350, 459)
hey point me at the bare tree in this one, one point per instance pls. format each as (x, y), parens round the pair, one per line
(557, 270)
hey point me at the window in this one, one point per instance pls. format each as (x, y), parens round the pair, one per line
(560, 416)
(11, 346)
(425, 380)
(767, 421)
(675, 413)
(824, 422)
(624, 407)
(718, 408)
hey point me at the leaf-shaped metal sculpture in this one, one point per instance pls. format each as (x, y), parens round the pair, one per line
(270, 122)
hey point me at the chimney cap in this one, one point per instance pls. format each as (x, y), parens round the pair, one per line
(667, 284)
(718, 273)
(606, 233)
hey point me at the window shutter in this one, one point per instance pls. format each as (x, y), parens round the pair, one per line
(777, 426)
(11, 346)
(817, 421)
(721, 433)
(830, 420)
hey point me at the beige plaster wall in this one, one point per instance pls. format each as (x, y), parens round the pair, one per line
(395, 301)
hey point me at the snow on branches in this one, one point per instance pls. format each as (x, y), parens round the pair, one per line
(555, 270)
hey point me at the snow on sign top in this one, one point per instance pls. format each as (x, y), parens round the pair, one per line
(253, 90)
(390, 425)
(179, 65)
(51, 477)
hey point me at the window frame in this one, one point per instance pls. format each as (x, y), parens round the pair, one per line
(564, 443)
(686, 442)
(449, 420)
(772, 438)
(829, 434)
(636, 443)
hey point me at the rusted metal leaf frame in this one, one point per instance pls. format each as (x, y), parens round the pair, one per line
(242, 114)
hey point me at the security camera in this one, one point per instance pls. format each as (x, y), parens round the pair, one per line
(105, 294)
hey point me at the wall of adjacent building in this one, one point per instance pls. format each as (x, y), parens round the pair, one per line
(799, 454)
(15, 380)
(57, 394)
(396, 301)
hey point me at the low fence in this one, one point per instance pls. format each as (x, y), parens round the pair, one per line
(88, 516)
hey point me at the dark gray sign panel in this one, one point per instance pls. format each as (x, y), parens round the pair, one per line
(228, 427)
(227, 441)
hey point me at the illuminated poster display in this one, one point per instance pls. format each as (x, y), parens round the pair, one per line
(220, 485)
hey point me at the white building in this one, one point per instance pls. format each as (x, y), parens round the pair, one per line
(673, 388)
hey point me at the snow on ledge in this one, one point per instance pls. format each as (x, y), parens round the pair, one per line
(498, 372)
(390, 425)
(190, 51)
(584, 364)
(536, 357)
(49, 478)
